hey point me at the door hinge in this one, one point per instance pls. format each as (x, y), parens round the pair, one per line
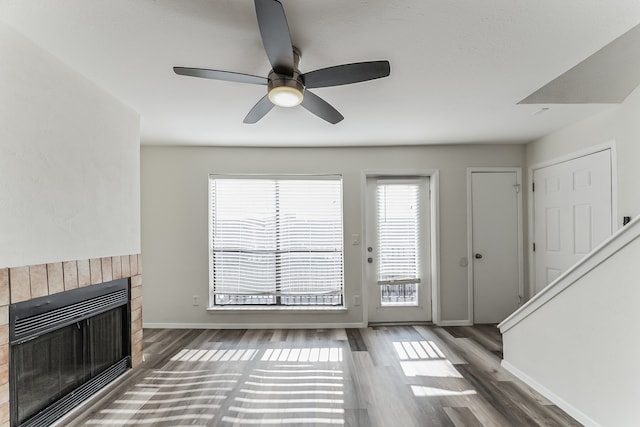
(534, 247)
(533, 187)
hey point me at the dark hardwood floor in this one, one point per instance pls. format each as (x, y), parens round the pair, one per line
(379, 376)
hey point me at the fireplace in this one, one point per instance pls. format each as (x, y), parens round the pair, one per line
(66, 346)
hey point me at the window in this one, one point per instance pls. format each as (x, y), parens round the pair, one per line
(276, 241)
(398, 206)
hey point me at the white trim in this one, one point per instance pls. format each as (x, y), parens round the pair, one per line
(434, 200)
(253, 325)
(574, 155)
(284, 176)
(520, 234)
(615, 223)
(445, 323)
(607, 249)
(298, 309)
(554, 398)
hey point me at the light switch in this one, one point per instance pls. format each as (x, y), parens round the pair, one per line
(355, 239)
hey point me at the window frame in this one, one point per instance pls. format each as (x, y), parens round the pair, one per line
(277, 304)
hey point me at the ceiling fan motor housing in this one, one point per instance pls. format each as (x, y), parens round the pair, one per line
(278, 80)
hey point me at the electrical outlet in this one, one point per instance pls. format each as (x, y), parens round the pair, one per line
(196, 300)
(356, 300)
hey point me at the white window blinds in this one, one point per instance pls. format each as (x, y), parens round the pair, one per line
(276, 241)
(398, 232)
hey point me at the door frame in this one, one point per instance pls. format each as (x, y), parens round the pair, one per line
(520, 232)
(434, 229)
(615, 223)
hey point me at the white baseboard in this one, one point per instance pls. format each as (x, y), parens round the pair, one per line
(455, 323)
(554, 398)
(252, 325)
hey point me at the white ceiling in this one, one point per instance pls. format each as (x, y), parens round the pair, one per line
(458, 68)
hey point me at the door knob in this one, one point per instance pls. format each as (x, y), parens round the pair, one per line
(478, 256)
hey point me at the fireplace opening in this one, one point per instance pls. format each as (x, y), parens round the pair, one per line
(64, 348)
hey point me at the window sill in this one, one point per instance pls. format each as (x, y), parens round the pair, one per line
(400, 304)
(308, 309)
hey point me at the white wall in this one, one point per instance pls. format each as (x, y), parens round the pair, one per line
(69, 162)
(621, 124)
(175, 227)
(581, 348)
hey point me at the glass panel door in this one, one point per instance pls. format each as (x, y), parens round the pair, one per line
(48, 367)
(397, 237)
(54, 364)
(105, 344)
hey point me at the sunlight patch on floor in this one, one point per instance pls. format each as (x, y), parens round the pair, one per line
(316, 354)
(176, 392)
(166, 401)
(430, 368)
(295, 377)
(157, 410)
(299, 371)
(193, 377)
(115, 421)
(191, 384)
(311, 386)
(422, 391)
(283, 421)
(285, 410)
(191, 355)
(291, 392)
(289, 401)
(418, 350)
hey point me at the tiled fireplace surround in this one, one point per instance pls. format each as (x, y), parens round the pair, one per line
(24, 283)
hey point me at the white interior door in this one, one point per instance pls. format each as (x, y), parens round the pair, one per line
(398, 273)
(572, 213)
(496, 249)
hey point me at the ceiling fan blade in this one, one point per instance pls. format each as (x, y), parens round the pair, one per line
(275, 35)
(346, 74)
(220, 75)
(259, 110)
(321, 108)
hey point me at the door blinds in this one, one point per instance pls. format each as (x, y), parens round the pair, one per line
(398, 232)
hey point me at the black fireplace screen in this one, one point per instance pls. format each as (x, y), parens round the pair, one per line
(49, 367)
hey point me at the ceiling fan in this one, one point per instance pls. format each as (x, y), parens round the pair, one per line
(286, 85)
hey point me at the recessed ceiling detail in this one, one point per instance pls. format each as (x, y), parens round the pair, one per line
(606, 77)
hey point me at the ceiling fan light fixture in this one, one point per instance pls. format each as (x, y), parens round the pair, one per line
(286, 96)
(284, 90)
